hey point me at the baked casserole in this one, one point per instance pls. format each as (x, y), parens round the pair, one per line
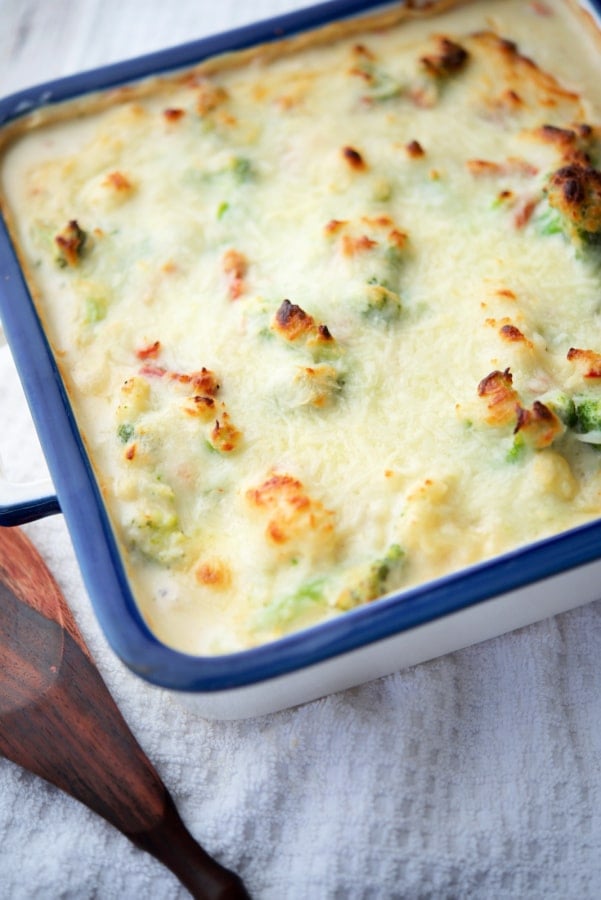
(326, 310)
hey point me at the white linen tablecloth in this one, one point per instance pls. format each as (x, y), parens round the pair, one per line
(473, 776)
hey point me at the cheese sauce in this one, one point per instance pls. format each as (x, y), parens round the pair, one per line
(329, 318)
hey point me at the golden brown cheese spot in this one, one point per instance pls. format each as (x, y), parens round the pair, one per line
(135, 398)
(506, 197)
(509, 75)
(209, 96)
(510, 332)
(287, 102)
(506, 293)
(235, 266)
(397, 238)
(513, 335)
(501, 398)
(118, 182)
(575, 191)
(447, 59)
(201, 406)
(353, 241)
(587, 361)
(290, 510)
(351, 246)
(383, 221)
(235, 263)
(415, 150)
(214, 573)
(70, 242)
(173, 114)
(204, 382)
(292, 322)
(321, 337)
(334, 226)
(319, 384)
(354, 159)
(225, 437)
(539, 425)
(361, 52)
(151, 351)
(524, 211)
(511, 100)
(483, 167)
(572, 144)
(513, 165)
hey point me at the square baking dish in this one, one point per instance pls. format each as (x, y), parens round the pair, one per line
(403, 628)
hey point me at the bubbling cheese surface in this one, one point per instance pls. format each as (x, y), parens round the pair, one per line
(326, 329)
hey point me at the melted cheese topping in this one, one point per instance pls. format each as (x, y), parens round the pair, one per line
(323, 326)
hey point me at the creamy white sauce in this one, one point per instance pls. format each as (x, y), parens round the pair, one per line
(385, 471)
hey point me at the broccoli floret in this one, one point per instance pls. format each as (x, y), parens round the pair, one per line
(575, 191)
(125, 432)
(517, 450)
(374, 580)
(549, 222)
(588, 413)
(222, 209)
(242, 169)
(283, 612)
(155, 530)
(383, 304)
(381, 85)
(95, 310)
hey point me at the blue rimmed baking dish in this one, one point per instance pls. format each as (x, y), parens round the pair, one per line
(487, 599)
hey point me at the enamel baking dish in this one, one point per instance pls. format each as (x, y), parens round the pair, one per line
(479, 602)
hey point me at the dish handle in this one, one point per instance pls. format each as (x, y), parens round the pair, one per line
(25, 502)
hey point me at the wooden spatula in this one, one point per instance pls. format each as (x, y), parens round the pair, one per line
(57, 719)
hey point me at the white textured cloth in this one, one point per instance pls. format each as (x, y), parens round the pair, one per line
(473, 776)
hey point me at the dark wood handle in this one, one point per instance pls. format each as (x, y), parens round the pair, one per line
(57, 719)
(172, 844)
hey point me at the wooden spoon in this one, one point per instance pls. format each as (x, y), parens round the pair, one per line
(57, 719)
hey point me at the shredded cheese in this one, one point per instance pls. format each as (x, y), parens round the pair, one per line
(319, 319)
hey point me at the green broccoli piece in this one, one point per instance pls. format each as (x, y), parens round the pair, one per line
(517, 450)
(588, 414)
(549, 222)
(222, 209)
(383, 304)
(156, 533)
(95, 310)
(283, 611)
(373, 581)
(381, 86)
(125, 432)
(242, 169)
